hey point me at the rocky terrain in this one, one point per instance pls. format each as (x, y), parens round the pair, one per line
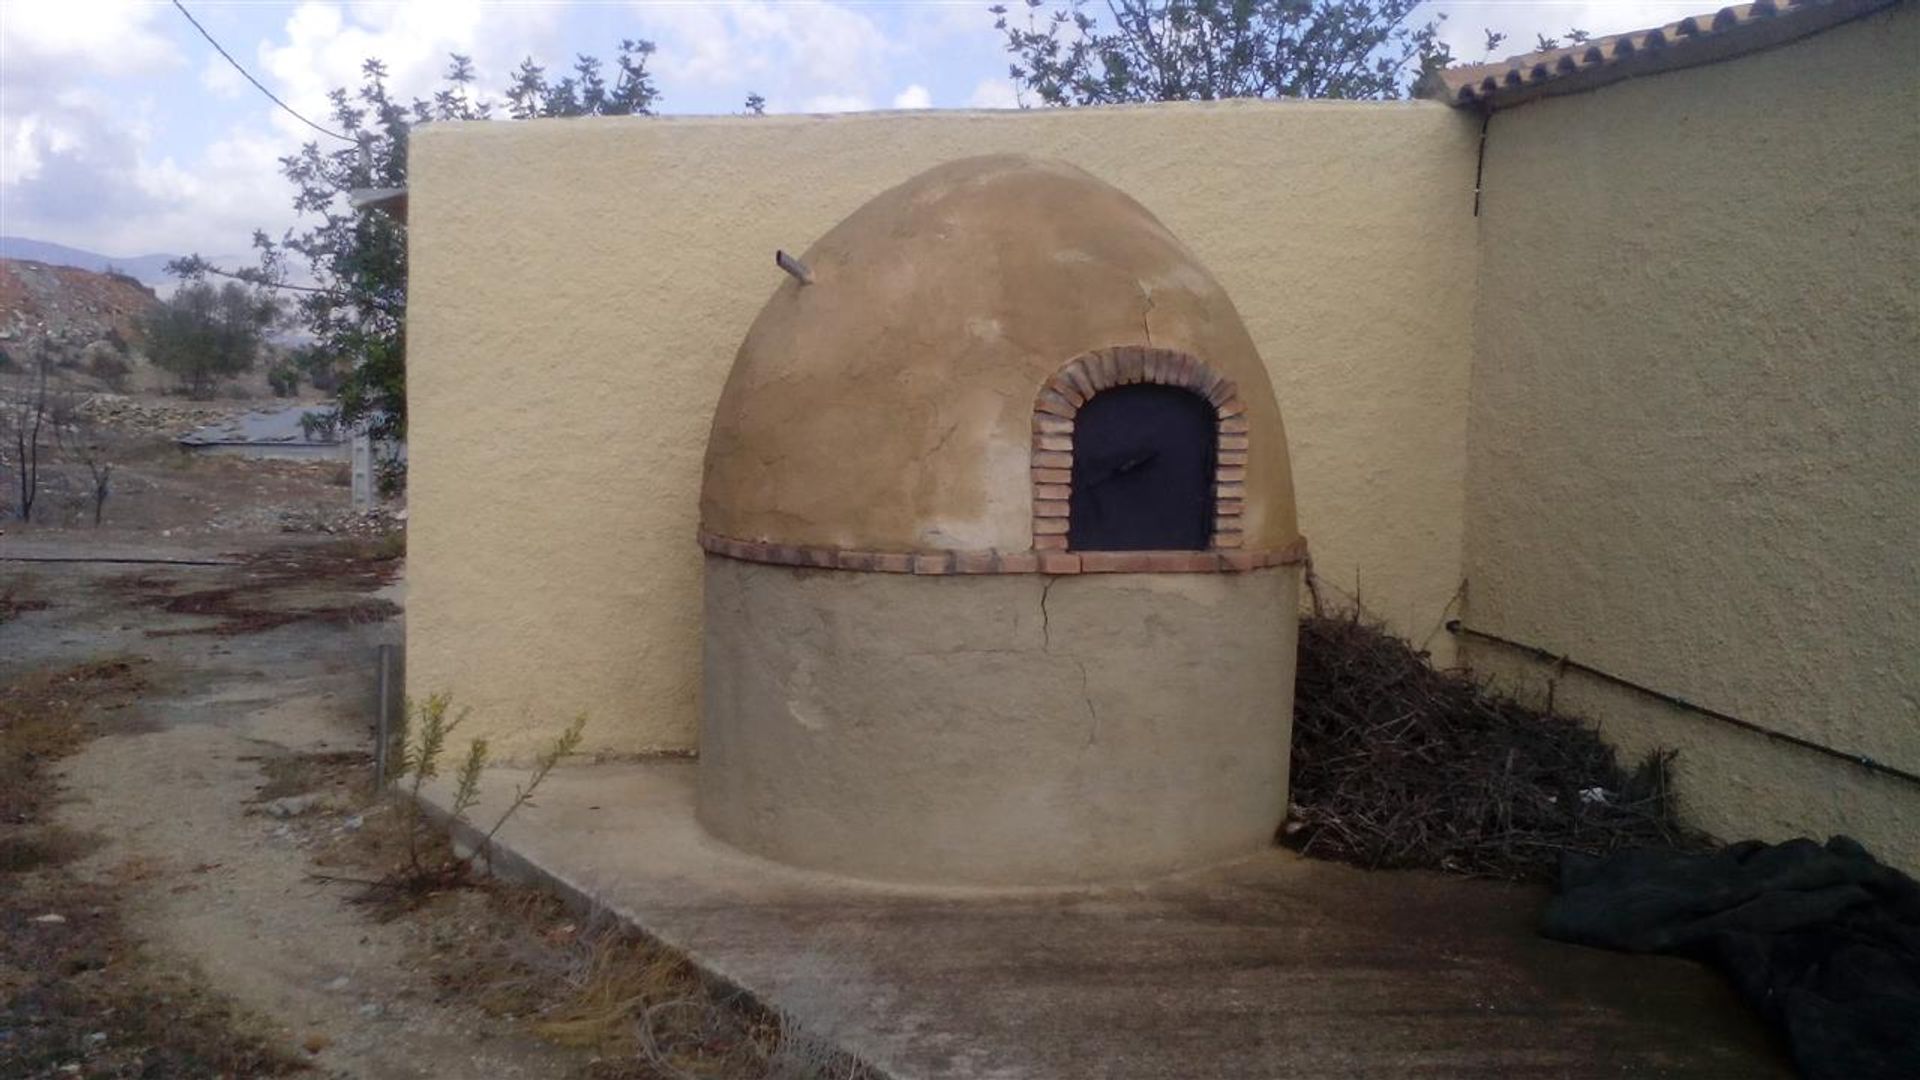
(68, 307)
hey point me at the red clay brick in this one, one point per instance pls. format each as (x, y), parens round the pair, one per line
(1059, 562)
(1053, 442)
(1053, 491)
(1182, 562)
(1233, 425)
(1052, 526)
(1052, 459)
(1226, 539)
(975, 562)
(1115, 562)
(1231, 408)
(1053, 476)
(1050, 508)
(1019, 562)
(1230, 474)
(1049, 424)
(1237, 561)
(1231, 457)
(1231, 441)
(1076, 373)
(1056, 542)
(1059, 385)
(854, 560)
(1051, 402)
(892, 562)
(933, 563)
(1102, 368)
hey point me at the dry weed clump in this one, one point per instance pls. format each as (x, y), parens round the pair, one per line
(1399, 765)
(639, 1007)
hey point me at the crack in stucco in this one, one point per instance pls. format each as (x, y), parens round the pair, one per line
(944, 436)
(1046, 646)
(1046, 620)
(1146, 313)
(1086, 696)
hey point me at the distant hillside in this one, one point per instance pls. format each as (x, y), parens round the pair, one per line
(148, 269)
(68, 307)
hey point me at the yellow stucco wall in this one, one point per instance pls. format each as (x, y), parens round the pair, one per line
(579, 289)
(1695, 428)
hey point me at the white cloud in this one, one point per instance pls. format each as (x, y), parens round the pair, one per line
(47, 55)
(42, 37)
(825, 56)
(79, 166)
(325, 47)
(994, 94)
(833, 103)
(913, 97)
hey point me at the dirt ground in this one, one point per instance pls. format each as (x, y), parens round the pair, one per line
(188, 821)
(177, 886)
(160, 919)
(156, 490)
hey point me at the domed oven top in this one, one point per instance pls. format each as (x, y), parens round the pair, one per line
(1001, 365)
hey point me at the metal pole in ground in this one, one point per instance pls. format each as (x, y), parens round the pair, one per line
(383, 715)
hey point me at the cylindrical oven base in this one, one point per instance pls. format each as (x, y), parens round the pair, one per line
(996, 729)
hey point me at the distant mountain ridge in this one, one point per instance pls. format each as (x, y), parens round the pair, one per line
(146, 269)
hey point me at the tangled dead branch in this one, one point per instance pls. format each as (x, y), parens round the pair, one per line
(1396, 764)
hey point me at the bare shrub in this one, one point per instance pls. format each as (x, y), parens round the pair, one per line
(1396, 764)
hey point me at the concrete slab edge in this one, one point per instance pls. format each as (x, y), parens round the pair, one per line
(503, 862)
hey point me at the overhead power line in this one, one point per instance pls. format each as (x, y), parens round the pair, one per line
(256, 82)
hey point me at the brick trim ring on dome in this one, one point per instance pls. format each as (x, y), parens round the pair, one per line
(1089, 373)
(949, 562)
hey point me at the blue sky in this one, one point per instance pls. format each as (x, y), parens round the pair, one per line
(121, 131)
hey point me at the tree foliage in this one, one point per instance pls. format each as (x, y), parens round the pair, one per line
(1079, 53)
(202, 334)
(356, 260)
(585, 92)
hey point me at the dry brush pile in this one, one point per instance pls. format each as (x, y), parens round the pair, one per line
(1399, 765)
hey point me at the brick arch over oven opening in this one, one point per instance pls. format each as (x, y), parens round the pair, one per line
(1084, 376)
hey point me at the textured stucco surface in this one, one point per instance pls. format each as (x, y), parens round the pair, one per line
(997, 729)
(580, 289)
(1693, 438)
(889, 405)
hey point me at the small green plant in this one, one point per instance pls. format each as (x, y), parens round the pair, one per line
(423, 740)
(283, 379)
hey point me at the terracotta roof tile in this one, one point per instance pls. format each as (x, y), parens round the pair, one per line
(1697, 39)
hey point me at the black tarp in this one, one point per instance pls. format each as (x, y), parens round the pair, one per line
(1824, 940)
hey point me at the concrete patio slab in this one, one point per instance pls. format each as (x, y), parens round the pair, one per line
(1274, 966)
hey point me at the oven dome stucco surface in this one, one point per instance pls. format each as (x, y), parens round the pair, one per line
(888, 404)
